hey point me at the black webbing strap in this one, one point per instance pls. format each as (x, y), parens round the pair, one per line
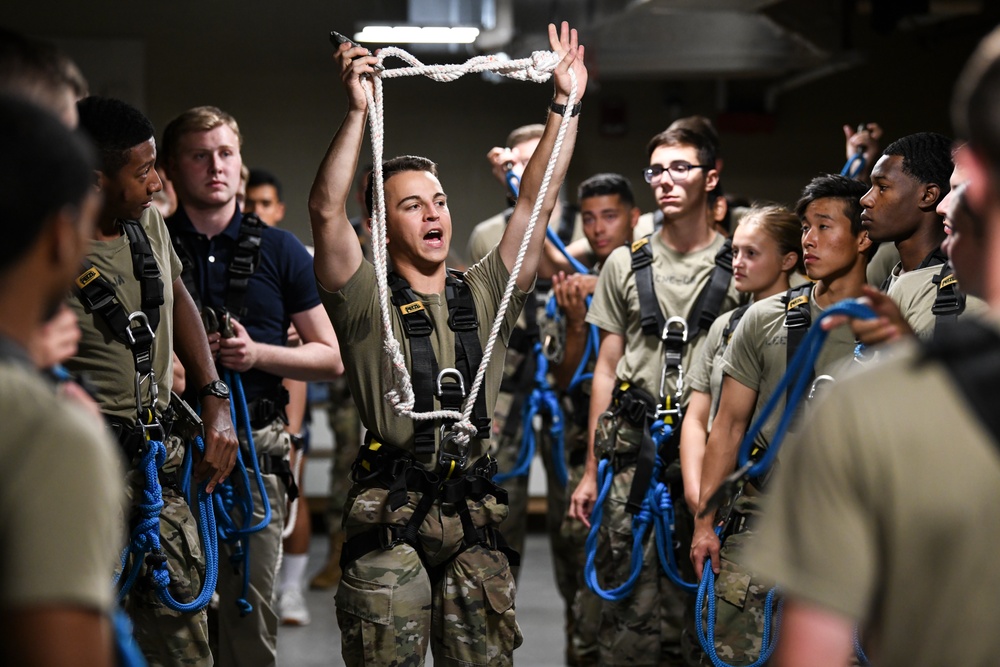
(638, 408)
(706, 307)
(245, 260)
(418, 327)
(798, 319)
(949, 301)
(734, 320)
(970, 350)
(99, 297)
(424, 371)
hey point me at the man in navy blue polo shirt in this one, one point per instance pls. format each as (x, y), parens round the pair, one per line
(247, 322)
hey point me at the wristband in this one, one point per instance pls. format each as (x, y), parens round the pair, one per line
(561, 109)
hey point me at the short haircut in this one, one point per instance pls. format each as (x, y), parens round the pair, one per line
(975, 105)
(198, 119)
(395, 166)
(686, 136)
(926, 157)
(606, 184)
(700, 125)
(38, 71)
(115, 127)
(44, 167)
(835, 186)
(782, 225)
(264, 177)
(525, 133)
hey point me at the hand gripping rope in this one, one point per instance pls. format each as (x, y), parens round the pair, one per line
(797, 375)
(657, 510)
(544, 401)
(228, 498)
(538, 68)
(145, 537)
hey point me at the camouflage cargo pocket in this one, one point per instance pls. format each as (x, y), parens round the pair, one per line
(364, 614)
(477, 610)
(732, 584)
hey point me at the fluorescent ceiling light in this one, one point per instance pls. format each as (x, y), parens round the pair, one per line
(409, 34)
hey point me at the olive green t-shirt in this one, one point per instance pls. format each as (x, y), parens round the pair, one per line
(914, 292)
(61, 499)
(885, 511)
(108, 363)
(354, 311)
(756, 356)
(880, 266)
(678, 280)
(706, 371)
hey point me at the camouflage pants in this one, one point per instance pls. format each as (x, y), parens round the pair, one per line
(168, 637)
(584, 613)
(389, 610)
(345, 422)
(646, 627)
(739, 605)
(252, 640)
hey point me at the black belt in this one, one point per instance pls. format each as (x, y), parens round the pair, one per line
(132, 436)
(274, 464)
(265, 409)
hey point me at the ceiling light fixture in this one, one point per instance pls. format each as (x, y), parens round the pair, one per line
(409, 34)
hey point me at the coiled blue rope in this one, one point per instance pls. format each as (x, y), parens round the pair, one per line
(798, 375)
(545, 401)
(229, 500)
(706, 635)
(128, 652)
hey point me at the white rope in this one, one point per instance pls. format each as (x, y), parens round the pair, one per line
(293, 507)
(538, 68)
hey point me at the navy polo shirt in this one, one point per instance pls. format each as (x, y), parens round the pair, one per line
(282, 285)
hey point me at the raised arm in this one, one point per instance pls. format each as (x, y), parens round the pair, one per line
(336, 261)
(565, 44)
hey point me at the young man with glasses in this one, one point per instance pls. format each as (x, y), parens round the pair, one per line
(645, 627)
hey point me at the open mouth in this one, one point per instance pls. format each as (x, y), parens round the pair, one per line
(434, 236)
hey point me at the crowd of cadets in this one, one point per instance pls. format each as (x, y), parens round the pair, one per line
(658, 340)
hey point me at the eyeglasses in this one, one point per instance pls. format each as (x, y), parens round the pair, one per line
(678, 171)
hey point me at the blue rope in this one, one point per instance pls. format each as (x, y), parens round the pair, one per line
(706, 636)
(128, 652)
(855, 165)
(545, 401)
(228, 500)
(798, 375)
(145, 537)
(859, 652)
(657, 510)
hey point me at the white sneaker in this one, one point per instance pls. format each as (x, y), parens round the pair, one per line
(292, 609)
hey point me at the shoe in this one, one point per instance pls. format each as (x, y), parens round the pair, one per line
(292, 609)
(329, 576)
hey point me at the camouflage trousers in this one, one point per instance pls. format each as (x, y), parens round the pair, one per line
(584, 608)
(345, 422)
(168, 637)
(646, 627)
(739, 604)
(388, 608)
(252, 640)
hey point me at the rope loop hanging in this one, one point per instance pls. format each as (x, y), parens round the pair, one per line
(537, 68)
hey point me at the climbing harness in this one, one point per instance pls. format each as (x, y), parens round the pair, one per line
(538, 67)
(949, 300)
(753, 464)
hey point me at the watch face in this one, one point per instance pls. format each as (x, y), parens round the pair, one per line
(216, 388)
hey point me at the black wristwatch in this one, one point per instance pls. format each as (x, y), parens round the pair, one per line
(216, 388)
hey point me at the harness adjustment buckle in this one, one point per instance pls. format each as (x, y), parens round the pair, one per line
(143, 327)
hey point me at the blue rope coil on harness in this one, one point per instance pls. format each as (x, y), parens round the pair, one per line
(542, 400)
(797, 375)
(145, 536)
(229, 499)
(657, 510)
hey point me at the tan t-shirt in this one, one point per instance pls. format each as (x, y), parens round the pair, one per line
(885, 511)
(756, 356)
(678, 280)
(880, 266)
(914, 292)
(61, 499)
(108, 363)
(354, 311)
(706, 371)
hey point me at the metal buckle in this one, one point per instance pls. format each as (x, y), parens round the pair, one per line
(821, 380)
(154, 391)
(452, 373)
(386, 540)
(448, 462)
(143, 322)
(673, 326)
